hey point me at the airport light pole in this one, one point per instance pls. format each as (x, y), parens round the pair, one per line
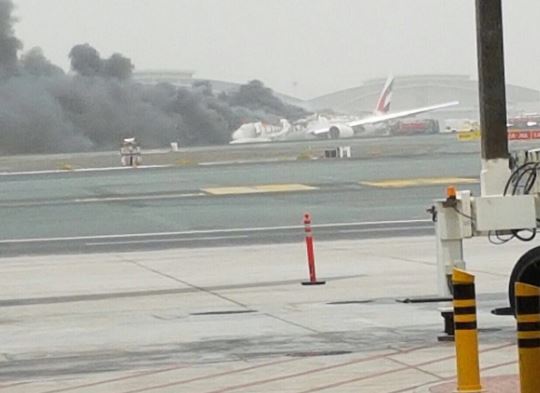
(492, 95)
(455, 217)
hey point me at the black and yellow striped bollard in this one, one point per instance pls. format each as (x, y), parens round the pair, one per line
(466, 333)
(528, 332)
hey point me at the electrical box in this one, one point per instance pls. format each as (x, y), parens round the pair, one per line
(495, 213)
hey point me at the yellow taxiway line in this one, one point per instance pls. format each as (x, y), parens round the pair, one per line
(419, 182)
(263, 188)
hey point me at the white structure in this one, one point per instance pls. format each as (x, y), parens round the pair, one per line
(130, 153)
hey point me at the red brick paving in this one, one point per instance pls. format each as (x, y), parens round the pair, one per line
(499, 384)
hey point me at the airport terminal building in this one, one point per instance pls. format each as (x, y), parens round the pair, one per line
(423, 90)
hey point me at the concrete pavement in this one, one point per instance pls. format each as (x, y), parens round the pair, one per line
(236, 319)
(491, 384)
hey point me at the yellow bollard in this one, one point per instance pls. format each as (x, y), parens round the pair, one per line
(528, 321)
(466, 333)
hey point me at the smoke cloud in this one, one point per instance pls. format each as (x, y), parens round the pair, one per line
(9, 44)
(44, 110)
(35, 63)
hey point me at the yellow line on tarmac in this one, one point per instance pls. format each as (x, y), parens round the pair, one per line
(419, 182)
(229, 190)
(258, 189)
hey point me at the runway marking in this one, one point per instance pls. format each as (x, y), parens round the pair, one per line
(101, 200)
(254, 161)
(264, 188)
(167, 240)
(137, 198)
(369, 230)
(210, 231)
(10, 385)
(229, 190)
(284, 187)
(105, 169)
(419, 182)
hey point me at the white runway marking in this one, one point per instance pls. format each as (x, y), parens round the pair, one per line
(137, 198)
(369, 230)
(257, 189)
(211, 231)
(106, 169)
(103, 200)
(167, 240)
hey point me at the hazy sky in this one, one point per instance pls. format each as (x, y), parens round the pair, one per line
(300, 47)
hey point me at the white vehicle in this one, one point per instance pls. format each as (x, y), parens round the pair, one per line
(259, 132)
(332, 129)
(130, 153)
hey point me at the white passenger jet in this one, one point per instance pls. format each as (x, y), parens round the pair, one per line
(331, 129)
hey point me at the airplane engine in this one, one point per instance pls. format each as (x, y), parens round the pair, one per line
(340, 131)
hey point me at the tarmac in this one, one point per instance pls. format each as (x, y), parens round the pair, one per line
(237, 319)
(362, 148)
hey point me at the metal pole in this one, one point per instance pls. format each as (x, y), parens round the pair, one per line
(492, 94)
(491, 78)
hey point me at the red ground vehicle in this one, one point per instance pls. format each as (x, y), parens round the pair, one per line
(414, 127)
(524, 127)
(524, 123)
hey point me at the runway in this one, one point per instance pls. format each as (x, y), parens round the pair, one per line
(202, 206)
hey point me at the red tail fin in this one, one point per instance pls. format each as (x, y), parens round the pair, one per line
(383, 104)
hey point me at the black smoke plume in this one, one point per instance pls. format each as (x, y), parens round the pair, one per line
(44, 110)
(9, 44)
(86, 61)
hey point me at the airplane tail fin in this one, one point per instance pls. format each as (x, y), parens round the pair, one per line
(383, 104)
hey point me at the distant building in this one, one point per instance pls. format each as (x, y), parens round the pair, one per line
(424, 90)
(154, 77)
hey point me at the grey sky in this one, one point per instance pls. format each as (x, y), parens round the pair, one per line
(301, 47)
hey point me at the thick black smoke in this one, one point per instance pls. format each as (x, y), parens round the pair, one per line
(118, 66)
(42, 109)
(255, 96)
(9, 44)
(35, 63)
(86, 61)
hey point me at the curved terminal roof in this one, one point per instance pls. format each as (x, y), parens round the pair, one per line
(423, 90)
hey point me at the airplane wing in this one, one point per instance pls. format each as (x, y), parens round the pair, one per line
(399, 115)
(325, 129)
